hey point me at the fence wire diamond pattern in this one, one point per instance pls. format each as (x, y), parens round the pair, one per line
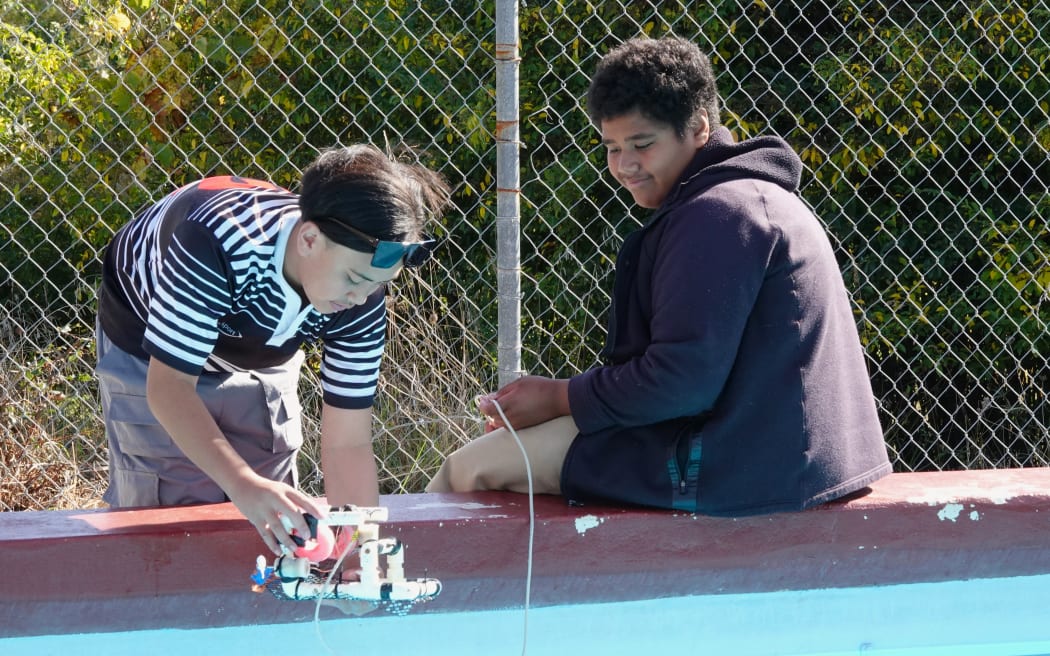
(924, 127)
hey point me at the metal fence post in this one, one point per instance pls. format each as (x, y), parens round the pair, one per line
(508, 186)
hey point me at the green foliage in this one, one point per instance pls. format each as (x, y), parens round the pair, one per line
(943, 185)
(923, 127)
(188, 89)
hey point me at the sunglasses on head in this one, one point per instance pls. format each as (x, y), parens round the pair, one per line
(387, 254)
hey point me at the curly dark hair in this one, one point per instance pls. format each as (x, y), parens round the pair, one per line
(668, 80)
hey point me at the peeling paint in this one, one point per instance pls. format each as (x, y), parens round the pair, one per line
(950, 511)
(974, 515)
(587, 522)
(996, 495)
(468, 505)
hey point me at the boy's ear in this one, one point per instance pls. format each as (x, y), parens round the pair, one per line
(307, 237)
(702, 132)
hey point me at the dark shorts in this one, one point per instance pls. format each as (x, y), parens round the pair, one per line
(257, 411)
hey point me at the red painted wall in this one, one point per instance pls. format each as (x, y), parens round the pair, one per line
(84, 571)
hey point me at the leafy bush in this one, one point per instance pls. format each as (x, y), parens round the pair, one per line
(923, 127)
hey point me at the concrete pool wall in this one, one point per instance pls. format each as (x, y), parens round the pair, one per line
(99, 571)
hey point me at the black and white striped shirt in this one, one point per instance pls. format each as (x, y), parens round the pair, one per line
(196, 281)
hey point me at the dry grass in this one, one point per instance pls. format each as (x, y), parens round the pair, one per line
(52, 442)
(425, 407)
(425, 402)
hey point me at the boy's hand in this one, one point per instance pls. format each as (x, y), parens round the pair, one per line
(264, 502)
(485, 406)
(526, 402)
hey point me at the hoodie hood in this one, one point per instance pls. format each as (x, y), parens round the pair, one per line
(721, 159)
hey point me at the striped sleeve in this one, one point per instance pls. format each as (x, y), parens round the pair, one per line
(192, 292)
(352, 355)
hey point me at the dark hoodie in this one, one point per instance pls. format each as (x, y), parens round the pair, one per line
(735, 383)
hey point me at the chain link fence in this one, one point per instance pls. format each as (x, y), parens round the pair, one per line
(923, 126)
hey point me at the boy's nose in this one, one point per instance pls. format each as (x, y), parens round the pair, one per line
(627, 163)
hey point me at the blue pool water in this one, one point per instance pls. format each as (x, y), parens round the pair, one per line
(987, 617)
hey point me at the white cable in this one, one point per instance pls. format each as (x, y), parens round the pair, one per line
(320, 598)
(528, 568)
(532, 524)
